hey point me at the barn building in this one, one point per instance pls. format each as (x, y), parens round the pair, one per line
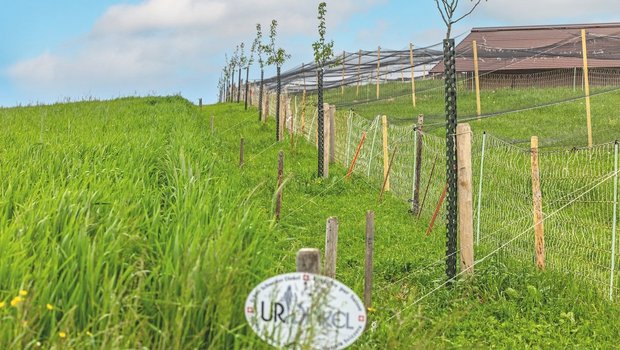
(540, 56)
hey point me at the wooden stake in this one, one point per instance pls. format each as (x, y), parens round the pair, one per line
(359, 65)
(370, 244)
(241, 146)
(412, 73)
(359, 147)
(437, 208)
(387, 178)
(331, 245)
(378, 68)
(309, 260)
(477, 78)
(342, 85)
(428, 184)
(303, 112)
(200, 103)
(326, 139)
(291, 125)
(465, 198)
(418, 164)
(303, 101)
(586, 80)
(332, 134)
(279, 189)
(386, 162)
(539, 229)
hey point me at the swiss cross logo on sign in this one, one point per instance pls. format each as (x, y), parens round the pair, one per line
(305, 311)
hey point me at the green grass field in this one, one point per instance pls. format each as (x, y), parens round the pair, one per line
(556, 115)
(129, 224)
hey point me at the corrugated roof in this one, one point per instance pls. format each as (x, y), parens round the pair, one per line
(539, 47)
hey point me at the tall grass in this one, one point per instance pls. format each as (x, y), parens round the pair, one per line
(138, 228)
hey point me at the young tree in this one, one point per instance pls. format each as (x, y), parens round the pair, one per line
(257, 47)
(242, 62)
(278, 57)
(250, 60)
(323, 52)
(226, 71)
(447, 8)
(233, 65)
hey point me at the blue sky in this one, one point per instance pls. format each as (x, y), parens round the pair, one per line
(52, 51)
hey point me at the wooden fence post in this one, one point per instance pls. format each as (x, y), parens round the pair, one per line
(342, 84)
(331, 247)
(265, 114)
(539, 229)
(326, 139)
(378, 68)
(332, 134)
(412, 73)
(303, 111)
(386, 156)
(279, 189)
(370, 244)
(241, 146)
(586, 79)
(418, 164)
(359, 64)
(465, 198)
(309, 260)
(476, 78)
(200, 103)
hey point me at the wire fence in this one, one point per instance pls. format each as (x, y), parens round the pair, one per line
(577, 186)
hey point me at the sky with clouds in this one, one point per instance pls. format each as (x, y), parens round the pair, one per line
(54, 51)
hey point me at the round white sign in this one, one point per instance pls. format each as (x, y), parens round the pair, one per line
(305, 311)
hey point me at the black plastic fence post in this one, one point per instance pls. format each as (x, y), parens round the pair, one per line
(320, 120)
(451, 117)
(247, 76)
(278, 104)
(260, 96)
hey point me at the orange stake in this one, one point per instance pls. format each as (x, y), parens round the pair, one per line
(437, 208)
(359, 148)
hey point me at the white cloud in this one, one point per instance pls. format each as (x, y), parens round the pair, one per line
(168, 46)
(539, 12)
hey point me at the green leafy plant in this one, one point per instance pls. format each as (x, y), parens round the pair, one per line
(277, 56)
(257, 45)
(323, 51)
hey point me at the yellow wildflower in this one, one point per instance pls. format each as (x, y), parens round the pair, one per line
(89, 334)
(23, 293)
(49, 307)
(371, 309)
(62, 334)
(16, 301)
(2, 303)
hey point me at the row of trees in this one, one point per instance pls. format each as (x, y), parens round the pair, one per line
(323, 52)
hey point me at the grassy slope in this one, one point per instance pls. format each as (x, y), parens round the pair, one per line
(139, 227)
